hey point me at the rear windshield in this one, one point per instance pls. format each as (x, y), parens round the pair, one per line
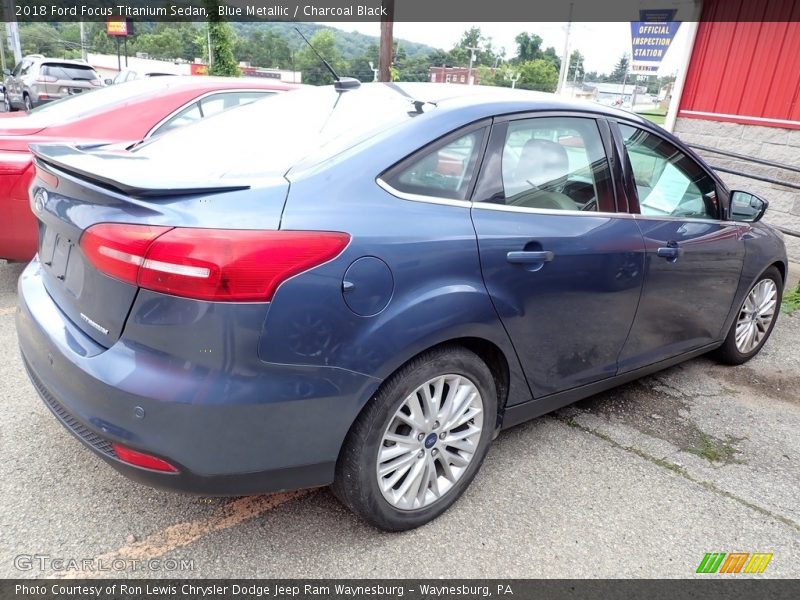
(268, 137)
(69, 71)
(80, 105)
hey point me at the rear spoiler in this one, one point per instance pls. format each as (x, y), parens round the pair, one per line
(132, 175)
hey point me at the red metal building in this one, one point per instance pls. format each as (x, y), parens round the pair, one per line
(745, 65)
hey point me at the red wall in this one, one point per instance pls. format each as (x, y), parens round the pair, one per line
(746, 63)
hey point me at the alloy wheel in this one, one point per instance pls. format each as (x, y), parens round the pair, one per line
(756, 315)
(429, 442)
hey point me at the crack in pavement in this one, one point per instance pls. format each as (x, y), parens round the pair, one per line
(182, 534)
(570, 422)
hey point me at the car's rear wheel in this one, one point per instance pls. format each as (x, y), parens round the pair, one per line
(420, 441)
(755, 320)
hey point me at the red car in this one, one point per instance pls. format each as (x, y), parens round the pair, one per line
(128, 112)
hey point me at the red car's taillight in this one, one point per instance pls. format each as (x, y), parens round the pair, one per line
(224, 265)
(140, 459)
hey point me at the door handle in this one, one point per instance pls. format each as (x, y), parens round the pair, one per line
(528, 257)
(671, 253)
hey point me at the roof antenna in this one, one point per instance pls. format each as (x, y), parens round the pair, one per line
(342, 84)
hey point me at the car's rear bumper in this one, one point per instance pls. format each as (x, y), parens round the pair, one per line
(285, 435)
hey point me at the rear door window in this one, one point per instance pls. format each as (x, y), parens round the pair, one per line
(188, 115)
(444, 171)
(217, 103)
(555, 163)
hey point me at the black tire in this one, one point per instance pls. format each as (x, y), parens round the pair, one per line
(356, 482)
(729, 353)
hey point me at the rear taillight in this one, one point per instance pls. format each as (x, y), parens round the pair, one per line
(224, 265)
(96, 83)
(46, 79)
(140, 459)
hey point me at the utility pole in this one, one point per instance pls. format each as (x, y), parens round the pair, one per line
(3, 50)
(472, 51)
(578, 63)
(562, 74)
(387, 42)
(83, 41)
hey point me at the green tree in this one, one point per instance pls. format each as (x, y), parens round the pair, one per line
(314, 72)
(619, 74)
(529, 47)
(538, 74)
(359, 67)
(264, 49)
(221, 38)
(460, 54)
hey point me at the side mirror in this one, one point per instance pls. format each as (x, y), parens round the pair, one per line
(108, 81)
(747, 207)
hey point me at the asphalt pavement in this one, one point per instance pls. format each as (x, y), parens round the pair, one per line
(640, 481)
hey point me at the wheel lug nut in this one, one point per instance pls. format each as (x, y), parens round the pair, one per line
(421, 437)
(434, 452)
(442, 435)
(421, 453)
(436, 425)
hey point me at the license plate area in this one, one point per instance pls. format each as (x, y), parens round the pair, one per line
(55, 253)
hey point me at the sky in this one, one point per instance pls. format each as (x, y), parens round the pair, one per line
(601, 44)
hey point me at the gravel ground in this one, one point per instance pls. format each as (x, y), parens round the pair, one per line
(640, 481)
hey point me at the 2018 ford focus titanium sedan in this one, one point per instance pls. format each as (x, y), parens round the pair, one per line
(362, 287)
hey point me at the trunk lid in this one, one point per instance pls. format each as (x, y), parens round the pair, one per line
(75, 189)
(19, 124)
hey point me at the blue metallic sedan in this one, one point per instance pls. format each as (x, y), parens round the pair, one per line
(361, 286)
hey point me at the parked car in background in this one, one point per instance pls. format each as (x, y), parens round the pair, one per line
(363, 287)
(129, 112)
(37, 80)
(131, 74)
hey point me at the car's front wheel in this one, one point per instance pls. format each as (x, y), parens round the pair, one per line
(28, 104)
(420, 441)
(755, 320)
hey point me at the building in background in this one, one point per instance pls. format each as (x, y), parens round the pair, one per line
(741, 95)
(459, 75)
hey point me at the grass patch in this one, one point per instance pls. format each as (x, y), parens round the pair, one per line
(715, 450)
(791, 301)
(655, 115)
